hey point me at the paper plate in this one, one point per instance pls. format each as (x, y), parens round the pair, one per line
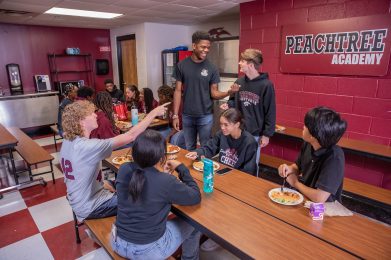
(289, 198)
(172, 149)
(199, 166)
(122, 159)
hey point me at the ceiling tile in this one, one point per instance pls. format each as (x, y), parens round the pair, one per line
(197, 3)
(221, 6)
(137, 4)
(11, 5)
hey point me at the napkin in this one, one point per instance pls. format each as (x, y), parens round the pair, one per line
(333, 209)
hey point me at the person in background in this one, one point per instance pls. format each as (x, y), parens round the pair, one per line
(319, 169)
(165, 94)
(81, 159)
(115, 93)
(147, 100)
(132, 97)
(255, 99)
(70, 93)
(198, 78)
(85, 93)
(105, 117)
(145, 195)
(236, 147)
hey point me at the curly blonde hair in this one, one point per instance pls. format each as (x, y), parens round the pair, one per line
(72, 116)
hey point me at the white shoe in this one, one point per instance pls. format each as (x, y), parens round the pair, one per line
(209, 245)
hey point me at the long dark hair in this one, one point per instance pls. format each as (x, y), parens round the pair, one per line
(148, 99)
(104, 102)
(233, 116)
(136, 97)
(148, 149)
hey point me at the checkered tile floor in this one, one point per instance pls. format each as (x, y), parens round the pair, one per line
(37, 222)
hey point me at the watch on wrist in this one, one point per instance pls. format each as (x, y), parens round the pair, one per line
(175, 116)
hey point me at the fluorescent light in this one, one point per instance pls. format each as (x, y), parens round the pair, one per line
(83, 13)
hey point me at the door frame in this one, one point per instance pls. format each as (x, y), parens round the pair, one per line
(119, 56)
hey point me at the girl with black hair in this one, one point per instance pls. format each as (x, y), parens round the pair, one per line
(70, 94)
(148, 102)
(236, 147)
(105, 117)
(145, 195)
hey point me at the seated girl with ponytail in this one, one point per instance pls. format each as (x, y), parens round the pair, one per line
(145, 195)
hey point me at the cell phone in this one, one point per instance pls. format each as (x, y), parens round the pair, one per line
(223, 171)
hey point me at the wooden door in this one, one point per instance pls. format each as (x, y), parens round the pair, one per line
(127, 60)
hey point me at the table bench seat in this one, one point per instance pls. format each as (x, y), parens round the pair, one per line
(31, 152)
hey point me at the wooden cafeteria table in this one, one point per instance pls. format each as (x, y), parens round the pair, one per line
(247, 231)
(361, 236)
(365, 148)
(8, 142)
(156, 124)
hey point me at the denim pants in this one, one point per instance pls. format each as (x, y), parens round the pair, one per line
(107, 209)
(193, 125)
(177, 232)
(258, 153)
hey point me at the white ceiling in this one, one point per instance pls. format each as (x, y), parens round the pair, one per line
(184, 12)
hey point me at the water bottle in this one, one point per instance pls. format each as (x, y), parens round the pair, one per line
(208, 175)
(134, 113)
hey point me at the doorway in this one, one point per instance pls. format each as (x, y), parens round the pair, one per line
(127, 60)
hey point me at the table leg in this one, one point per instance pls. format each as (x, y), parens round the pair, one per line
(13, 166)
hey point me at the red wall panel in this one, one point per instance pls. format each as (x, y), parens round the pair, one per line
(364, 102)
(28, 46)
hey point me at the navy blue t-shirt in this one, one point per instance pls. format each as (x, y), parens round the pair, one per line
(197, 79)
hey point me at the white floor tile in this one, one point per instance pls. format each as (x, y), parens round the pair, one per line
(11, 202)
(31, 248)
(98, 254)
(51, 214)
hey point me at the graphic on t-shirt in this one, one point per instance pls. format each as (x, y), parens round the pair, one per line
(66, 166)
(248, 98)
(229, 156)
(204, 72)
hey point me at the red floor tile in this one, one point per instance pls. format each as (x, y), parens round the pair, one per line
(16, 226)
(38, 194)
(61, 241)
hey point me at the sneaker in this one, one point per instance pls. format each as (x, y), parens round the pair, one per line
(209, 245)
(92, 236)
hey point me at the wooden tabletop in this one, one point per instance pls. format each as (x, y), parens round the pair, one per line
(251, 232)
(349, 144)
(36, 153)
(247, 231)
(7, 140)
(367, 238)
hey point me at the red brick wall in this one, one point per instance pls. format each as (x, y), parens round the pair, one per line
(365, 102)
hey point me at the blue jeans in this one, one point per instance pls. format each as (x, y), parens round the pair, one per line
(107, 209)
(165, 132)
(193, 125)
(177, 232)
(179, 139)
(258, 153)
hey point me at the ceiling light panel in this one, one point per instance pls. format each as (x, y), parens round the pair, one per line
(82, 13)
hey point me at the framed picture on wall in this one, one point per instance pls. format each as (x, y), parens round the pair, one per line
(14, 78)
